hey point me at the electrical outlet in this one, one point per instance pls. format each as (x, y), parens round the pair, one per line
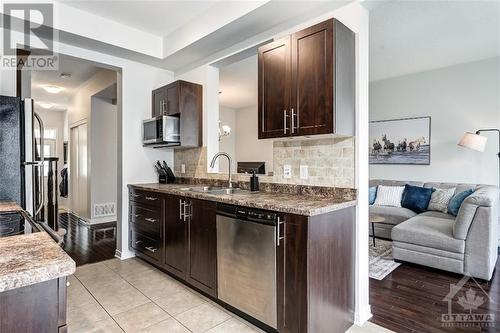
(287, 171)
(183, 168)
(304, 172)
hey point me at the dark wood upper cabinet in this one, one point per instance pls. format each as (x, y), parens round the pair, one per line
(312, 84)
(175, 237)
(184, 100)
(202, 235)
(274, 89)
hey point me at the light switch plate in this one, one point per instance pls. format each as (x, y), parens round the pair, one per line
(287, 171)
(183, 168)
(304, 172)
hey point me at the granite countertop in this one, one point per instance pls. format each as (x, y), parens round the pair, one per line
(286, 203)
(9, 206)
(32, 258)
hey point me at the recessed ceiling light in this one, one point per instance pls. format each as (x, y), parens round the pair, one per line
(45, 105)
(65, 75)
(53, 89)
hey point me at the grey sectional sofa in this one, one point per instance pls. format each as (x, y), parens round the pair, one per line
(465, 244)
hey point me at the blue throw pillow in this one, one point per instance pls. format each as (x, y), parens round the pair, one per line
(456, 201)
(372, 194)
(416, 198)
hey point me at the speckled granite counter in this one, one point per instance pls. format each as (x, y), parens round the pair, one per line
(286, 203)
(30, 259)
(9, 206)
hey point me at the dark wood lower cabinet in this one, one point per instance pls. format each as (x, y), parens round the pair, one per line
(202, 236)
(314, 259)
(39, 308)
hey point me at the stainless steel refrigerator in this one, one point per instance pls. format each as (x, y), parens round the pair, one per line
(21, 164)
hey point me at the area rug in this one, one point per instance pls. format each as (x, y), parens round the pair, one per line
(381, 261)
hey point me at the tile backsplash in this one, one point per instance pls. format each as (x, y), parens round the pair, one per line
(330, 162)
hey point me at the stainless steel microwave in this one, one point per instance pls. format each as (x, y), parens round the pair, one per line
(161, 131)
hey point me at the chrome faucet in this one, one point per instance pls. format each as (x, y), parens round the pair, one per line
(212, 164)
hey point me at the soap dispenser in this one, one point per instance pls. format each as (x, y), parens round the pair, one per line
(254, 182)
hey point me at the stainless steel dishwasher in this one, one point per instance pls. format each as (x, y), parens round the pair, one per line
(246, 261)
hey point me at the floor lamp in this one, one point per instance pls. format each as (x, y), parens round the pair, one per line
(478, 142)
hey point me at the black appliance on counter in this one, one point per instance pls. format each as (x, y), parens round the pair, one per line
(22, 176)
(258, 168)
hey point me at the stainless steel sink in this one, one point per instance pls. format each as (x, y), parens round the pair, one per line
(213, 190)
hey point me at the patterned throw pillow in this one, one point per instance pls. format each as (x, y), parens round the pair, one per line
(440, 199)
(372, 194)
(389, 196)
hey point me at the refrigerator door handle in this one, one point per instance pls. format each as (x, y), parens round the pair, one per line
(41, 165)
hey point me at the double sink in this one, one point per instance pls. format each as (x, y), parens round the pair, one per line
(213, 190)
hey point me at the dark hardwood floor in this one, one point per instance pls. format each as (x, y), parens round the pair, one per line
(86, 244)
(410, 299)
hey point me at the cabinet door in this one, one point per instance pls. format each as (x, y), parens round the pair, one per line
(158, 102)
(274, 89)
(172, 99)
(292, 275)
(202, 271)
(175, 237)
(312, 80)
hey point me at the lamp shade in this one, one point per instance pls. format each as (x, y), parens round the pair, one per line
(473, 141)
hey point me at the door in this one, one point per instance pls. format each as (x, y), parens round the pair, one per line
(202, 271)
(274, 89)
(175, 236)
(312, 80)
(172, 99)
(78, 170)
(158, 102)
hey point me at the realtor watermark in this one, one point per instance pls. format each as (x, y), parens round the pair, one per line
(28, 37)
(464, 306)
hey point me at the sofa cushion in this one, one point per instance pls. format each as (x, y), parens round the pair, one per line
(440, 199)
(438, 215)
(372, 193)
(428, 231)
(392, 215)
(456, 201)
(416, 198)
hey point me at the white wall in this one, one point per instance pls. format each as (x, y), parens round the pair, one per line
(103, 158)
(458, 98)
(228, 143)
(248, 147)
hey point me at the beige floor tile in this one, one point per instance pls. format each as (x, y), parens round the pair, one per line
(202, 318)
(118, 297)
(368, 328)
(81, 315)
(78, 295)
(140, 317)
(127, 267)
(179, 301)
(231, 326)
(155, 285)
(96, 274)
(167, 326)
(102, 326)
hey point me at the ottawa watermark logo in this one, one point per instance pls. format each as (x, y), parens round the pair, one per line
(28, 37)
(464, 306)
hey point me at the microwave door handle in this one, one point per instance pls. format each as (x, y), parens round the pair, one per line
(41, 165)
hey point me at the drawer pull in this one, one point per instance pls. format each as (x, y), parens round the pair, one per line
(138, 242)
(149, 219)
(137, 215)
(151, 198)
(151, 249)
(135, 195)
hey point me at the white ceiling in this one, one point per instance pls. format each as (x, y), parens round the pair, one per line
(156, 17)
(414, 36)
(80, 71)
(238, 84)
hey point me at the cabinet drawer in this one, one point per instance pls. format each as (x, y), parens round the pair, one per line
(149, 198)
(146, 219)
(145, 245)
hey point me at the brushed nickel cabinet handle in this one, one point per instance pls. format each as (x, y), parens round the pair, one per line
(187, 214)
(279, 237)
(149, 219)
(181, 210)
(136, 195)
(293, 121)
(138, 242)
(151, 249)
(284, 121)
(151, 198)
(137, 215)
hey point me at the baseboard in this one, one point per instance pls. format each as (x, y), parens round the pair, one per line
(122, 255)
(362, 315)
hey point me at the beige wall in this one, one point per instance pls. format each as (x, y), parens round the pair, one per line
(227, 144)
